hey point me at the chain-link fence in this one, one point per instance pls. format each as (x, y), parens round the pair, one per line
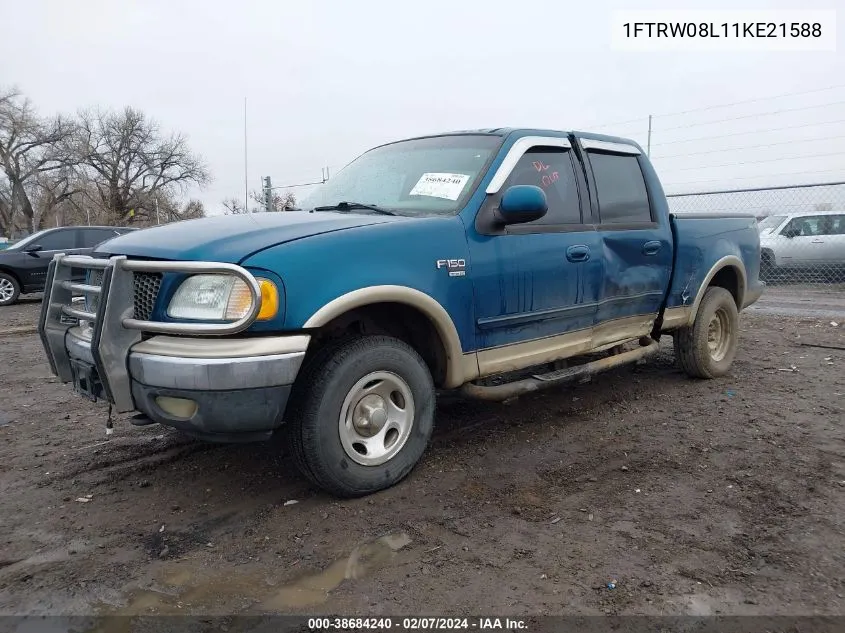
(802, 227)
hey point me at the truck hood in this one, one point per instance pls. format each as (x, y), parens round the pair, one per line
(232, 238)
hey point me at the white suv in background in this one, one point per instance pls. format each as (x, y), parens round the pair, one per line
(804, 242)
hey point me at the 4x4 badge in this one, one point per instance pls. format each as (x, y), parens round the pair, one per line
(456, 267)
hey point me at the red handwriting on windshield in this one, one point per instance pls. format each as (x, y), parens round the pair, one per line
(548, 177)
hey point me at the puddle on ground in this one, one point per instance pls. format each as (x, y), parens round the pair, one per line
(183, 590)
(363, 561)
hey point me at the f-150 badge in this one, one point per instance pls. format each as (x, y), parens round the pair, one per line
(456, 267)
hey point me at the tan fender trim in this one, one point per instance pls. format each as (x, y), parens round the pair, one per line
(685, 315)
(460, 367)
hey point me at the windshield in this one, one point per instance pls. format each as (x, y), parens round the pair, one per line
(416, 177)
(770, 222)
(27, 240)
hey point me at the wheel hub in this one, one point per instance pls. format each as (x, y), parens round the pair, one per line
(370, 415)
(6, 289)
(376, 418)
(718, 336)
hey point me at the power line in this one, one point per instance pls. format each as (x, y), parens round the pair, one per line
(756, 100)
(755, 162)
(752, 116)
(744, 147)
(769, 189)
(723, 105)
(775, 129)
(643, 119)
(788, 173)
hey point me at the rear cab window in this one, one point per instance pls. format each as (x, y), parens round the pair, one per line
(620, 189)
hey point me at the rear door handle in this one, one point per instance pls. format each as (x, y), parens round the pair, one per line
(651, 248)
(578, 253)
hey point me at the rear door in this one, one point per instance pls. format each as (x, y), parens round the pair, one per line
(636, 244)
(833, 237)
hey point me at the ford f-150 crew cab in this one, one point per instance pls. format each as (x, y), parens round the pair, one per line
(494, 262)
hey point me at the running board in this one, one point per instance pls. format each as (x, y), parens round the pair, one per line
(552, 378)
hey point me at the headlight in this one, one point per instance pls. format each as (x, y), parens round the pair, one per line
(221, 298)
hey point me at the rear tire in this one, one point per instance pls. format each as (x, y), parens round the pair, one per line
(10, 289)
(361, 416)
(707, 348)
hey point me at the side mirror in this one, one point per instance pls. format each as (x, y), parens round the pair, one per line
(792, 233)
(522, 203)
(33, 249)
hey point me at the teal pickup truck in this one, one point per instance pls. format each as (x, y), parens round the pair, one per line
(492, 262)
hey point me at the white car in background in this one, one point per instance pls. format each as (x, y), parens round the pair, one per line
(809, 243)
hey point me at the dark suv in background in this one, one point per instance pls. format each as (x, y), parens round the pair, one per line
(23, 266)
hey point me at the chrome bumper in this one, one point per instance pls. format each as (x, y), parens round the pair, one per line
(110, 338)
(204, 364)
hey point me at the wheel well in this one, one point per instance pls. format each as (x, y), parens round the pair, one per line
(393, 319)
(728, 278)
(10, 272)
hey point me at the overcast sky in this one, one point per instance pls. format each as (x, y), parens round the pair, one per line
(326, 79)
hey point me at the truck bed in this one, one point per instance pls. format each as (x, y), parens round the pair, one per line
(702, 240)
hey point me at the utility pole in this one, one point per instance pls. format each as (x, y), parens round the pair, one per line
(648, 146)
(246, 184)
(268, 194)
(158, 219)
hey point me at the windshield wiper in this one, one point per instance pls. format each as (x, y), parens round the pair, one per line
(349, 206)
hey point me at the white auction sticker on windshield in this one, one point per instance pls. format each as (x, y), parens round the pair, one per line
(437, 185)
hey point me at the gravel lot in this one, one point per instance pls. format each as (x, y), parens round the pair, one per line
(697, 497)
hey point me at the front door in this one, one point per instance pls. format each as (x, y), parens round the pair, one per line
(535, 284)
(34, 264)
(801, 242)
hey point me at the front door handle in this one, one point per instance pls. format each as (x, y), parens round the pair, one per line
(817, 242)
(651, 248)
(578, 253)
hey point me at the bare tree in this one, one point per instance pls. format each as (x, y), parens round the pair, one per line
(170, 209)
(6, 228)
(193, 210)
(233, 206)
(32, 152)
(279, 201)
(131, 162)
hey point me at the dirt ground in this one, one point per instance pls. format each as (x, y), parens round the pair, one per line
(696, 497)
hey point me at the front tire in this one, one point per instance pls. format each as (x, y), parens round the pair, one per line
(707, 348)
(362, 414)
(10, 289)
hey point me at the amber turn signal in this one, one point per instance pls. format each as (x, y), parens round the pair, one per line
(269, 300)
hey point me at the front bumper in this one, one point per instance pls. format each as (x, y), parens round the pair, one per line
(207, 387)
(215, 386)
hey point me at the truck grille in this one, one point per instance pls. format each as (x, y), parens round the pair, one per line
(113, 287)
(92, 300)
(146, 287)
